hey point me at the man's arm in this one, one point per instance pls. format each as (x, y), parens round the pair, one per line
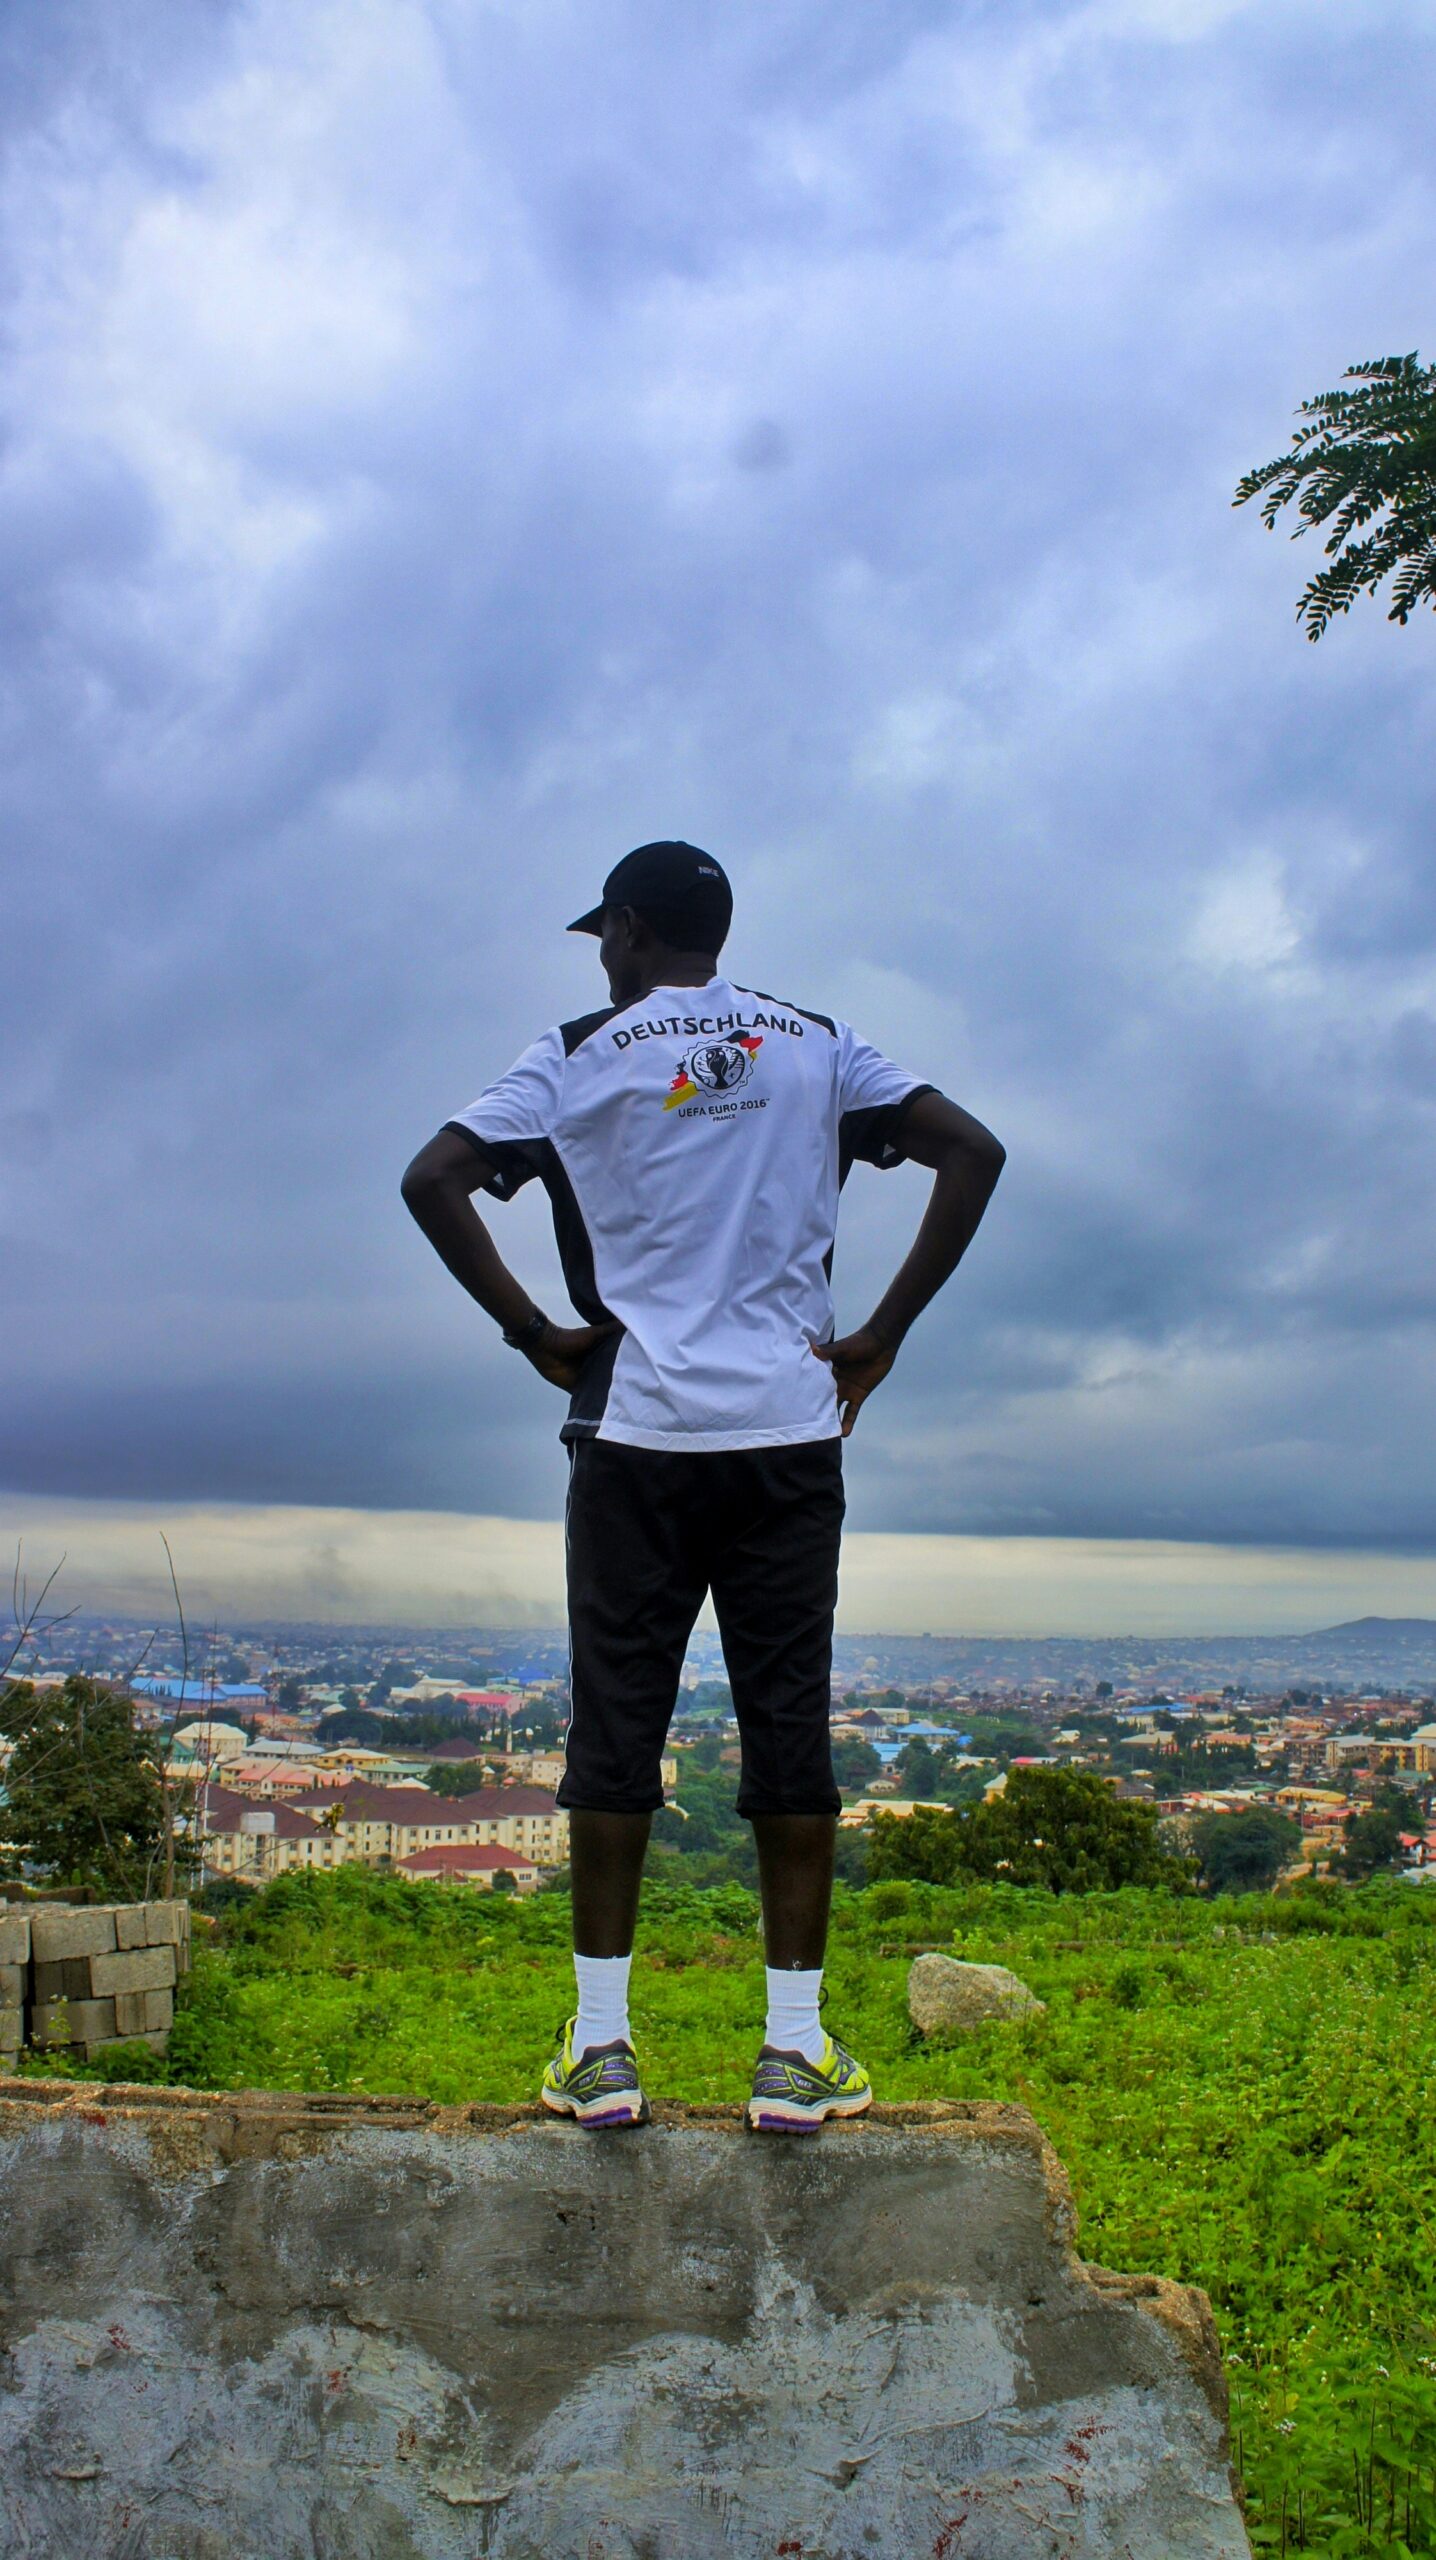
(438, 1190)
(966, 1159)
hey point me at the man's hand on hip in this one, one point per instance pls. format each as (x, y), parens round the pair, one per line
(859, 1363)
(560, 1351)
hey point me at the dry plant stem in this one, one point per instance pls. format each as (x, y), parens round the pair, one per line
(27, 1618)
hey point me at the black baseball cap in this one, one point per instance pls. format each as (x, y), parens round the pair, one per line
(677, 889)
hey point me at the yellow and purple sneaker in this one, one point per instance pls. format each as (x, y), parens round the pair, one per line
(598, 2088)
(793, 2095)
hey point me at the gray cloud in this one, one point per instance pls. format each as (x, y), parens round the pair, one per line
(443, 448)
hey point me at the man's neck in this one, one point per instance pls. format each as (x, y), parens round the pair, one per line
(677, 969)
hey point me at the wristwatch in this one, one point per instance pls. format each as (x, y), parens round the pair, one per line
(527, 1336)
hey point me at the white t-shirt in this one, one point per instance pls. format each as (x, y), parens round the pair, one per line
(693, 1145)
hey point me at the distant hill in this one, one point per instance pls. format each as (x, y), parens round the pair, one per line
(1420, 1629)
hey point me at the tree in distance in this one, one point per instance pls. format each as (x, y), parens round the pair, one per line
(1244, 1852)
(85, 1794)
(855, 1764)
(455, 1777)
(918, 1768)
(1062, 1828)
(1366, 458)
(1372, 1840)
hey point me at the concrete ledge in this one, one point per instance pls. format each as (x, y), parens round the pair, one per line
(259, 2327)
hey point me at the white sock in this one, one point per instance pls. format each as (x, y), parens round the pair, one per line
(793, 2013)
(602, 2002)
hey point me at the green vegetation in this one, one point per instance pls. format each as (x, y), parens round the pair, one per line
(1365, 458)
(1371, 1841)
(1061, 1828)
(1240, 2092)
(1004, 1737)
(421, 1727)
(1244, 1852)
(701, 1840)
(855, 1765)
(1199, 1765)
(455, 1777)
(86, 1801)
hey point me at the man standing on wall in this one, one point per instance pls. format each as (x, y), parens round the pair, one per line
(693, 1137)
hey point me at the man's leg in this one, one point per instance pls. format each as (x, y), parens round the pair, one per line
(795, 1870)
(774, 1573)
(605, 1865)
(635, 1589)
(606, 1852)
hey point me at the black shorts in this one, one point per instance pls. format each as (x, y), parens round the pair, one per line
(650, 1533)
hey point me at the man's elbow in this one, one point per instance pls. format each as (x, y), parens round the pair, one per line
(992, 1155)
(417, 1186)
(978, 1153)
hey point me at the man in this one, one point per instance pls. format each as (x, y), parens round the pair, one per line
(693, 1137)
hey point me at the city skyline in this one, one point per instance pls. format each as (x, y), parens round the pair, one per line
(429, 1569)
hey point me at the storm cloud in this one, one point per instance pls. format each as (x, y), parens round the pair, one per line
(444, 446)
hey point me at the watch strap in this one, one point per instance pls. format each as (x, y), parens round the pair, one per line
(526, 1336)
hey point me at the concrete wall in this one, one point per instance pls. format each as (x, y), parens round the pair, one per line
(259, 2328)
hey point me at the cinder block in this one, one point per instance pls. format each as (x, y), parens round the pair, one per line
(130, 1928)
(165, 1922)
(12, 1986)
(67, 1978)
(72, 2021)
(59, 1929)
(159, 2011)
(156, 2043)
(130, 2019)
(14, 1937)
(141, 1969)
(11, 2026)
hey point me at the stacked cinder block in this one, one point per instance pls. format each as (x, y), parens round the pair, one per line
(104, 1974)
(14, 1966)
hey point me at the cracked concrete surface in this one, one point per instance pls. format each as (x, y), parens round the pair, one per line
(266, 2328)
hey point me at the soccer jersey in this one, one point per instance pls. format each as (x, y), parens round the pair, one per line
(693, 1145)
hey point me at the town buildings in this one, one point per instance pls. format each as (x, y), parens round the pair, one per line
(374, 1826)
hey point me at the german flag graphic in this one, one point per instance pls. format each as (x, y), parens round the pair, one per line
(691, 1080)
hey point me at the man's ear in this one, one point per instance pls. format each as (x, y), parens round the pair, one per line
(638, 935)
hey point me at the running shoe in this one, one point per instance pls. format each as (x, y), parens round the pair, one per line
(599, 2088)
(793, 2095)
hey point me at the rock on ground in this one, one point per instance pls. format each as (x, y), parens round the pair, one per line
(334, 2329)
(943, 1993)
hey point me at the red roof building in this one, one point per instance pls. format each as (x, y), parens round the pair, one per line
(332, 1826)
(472, 1864)
(397, 1822)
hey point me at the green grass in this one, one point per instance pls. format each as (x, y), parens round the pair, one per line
(1241, 2092)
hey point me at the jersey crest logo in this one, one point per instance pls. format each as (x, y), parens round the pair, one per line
(714, 1067)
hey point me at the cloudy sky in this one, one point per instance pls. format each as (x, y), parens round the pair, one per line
(446, 444)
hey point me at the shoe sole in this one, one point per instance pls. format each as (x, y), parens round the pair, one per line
(785, 2115)
(602, 2115)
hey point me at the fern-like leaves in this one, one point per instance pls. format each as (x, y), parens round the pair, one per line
(1362, 457)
